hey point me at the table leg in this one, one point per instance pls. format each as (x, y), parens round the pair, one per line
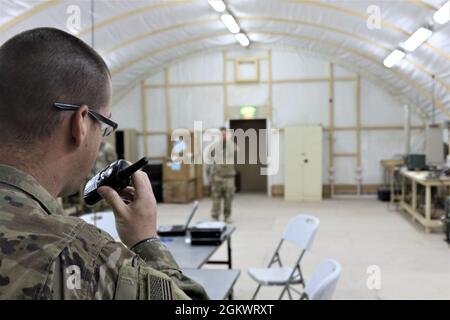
(427, 207)
(230, 264)
(391, 183)
(403, 188)
(414, 195)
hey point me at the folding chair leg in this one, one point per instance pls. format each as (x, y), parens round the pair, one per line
(282, 292)
(256, 292)
(289, 293)
(302, 281)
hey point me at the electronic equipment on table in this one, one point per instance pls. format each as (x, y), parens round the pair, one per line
(208, 233)
(180, 229)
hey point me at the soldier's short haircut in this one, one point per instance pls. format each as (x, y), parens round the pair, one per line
(42, 66)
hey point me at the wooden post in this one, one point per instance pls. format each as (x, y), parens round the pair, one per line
(331, 123)
(168, 108)
(144, 115)
(358, 133)
(225, 87)
(269, 62)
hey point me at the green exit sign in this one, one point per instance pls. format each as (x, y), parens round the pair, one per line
(248, 112)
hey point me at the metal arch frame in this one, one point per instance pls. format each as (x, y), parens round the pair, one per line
(160, 5)
(130, 13)
(359, 15)
(27, 13)
(158, 31)
(358, 37)
(148, 54)
(423, 5)
(305, 38)
(165, 4)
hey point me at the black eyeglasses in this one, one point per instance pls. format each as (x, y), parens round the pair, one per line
(108, 125)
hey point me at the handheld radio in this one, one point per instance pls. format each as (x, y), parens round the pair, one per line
(117, 176)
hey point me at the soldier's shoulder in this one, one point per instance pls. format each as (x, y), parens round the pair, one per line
(14, 201)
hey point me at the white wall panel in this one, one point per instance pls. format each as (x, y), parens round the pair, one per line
(198, 103)
(345, 170)
(248, 94)
(341, 72)
(344, 142)
(378, 145)
(344, 104)
(127, 111)
(156, 110)
(157, 146)
(304, 103)
(380, 108)
(157, 78)
(290, 65)
(205, 68)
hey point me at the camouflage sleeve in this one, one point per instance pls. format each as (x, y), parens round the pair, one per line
(108, 270)
(152, 270)
(156, 254)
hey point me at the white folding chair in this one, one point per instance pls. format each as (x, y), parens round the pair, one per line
(300, 231)
(323, 281)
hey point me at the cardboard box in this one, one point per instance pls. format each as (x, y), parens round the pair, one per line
(173, 171)
(179, 191)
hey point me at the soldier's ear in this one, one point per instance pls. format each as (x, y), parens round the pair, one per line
(79, 125)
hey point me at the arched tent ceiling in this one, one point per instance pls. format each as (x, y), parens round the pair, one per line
(138, 37)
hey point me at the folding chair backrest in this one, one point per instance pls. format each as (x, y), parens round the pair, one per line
(301, 230)
(322, 283)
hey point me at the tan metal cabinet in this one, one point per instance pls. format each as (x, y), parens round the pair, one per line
(303, 163)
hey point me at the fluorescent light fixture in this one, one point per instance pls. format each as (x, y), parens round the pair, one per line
(417, 38)
(242, 39)
(442, 16)
(394, 58)
(218, 5)
(229, 21)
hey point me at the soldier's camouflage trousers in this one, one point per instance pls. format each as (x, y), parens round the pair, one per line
(222, 188)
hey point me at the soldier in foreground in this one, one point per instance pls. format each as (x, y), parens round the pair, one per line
(221, 173)
(46, 152)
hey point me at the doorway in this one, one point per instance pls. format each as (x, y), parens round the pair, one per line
(249, 178)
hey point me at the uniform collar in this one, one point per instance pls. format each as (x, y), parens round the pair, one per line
(28, 184)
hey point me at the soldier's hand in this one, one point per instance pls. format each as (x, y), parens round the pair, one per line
(135, 219)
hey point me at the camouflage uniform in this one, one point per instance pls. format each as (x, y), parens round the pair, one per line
(222, 175)
(45, 254)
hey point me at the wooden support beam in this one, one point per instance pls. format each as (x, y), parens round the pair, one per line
(344, 155)
(144, 115)
(269, 66)
(225, 86)
(358, 121)
(168, 108)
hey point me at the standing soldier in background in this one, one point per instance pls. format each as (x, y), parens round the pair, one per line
(221, 173)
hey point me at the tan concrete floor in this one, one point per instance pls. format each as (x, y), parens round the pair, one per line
(356, 232)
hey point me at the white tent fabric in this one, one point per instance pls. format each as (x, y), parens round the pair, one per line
(137, 38)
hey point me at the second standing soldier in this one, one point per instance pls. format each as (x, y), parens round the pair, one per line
(221, 173)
